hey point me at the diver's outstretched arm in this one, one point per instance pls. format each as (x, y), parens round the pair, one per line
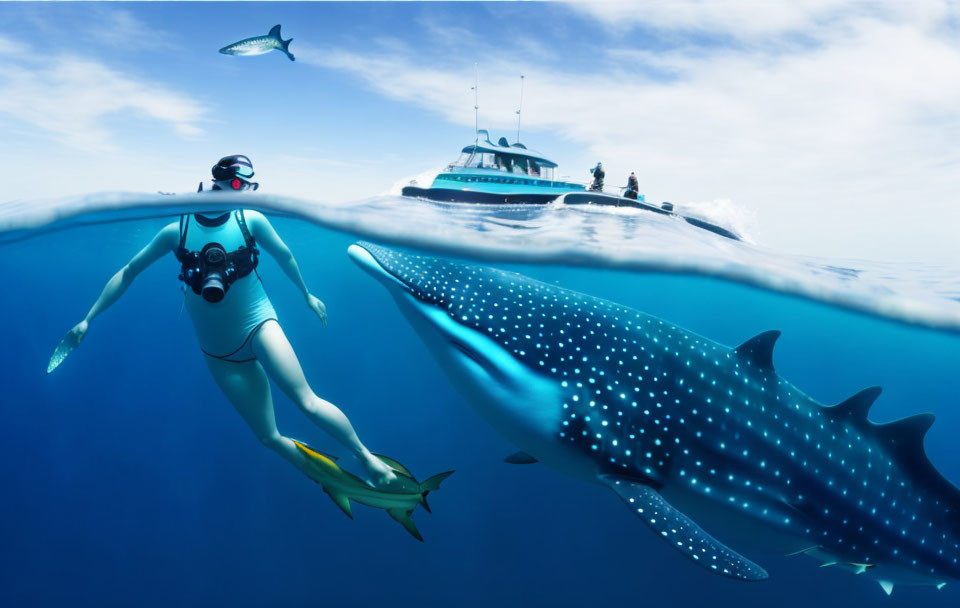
(264, 233)
(165, 241)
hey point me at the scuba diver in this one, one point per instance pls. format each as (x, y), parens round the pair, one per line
(633, 187)
(236, 325)
(598, 175)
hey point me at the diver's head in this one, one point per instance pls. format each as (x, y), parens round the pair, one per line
(233, 173)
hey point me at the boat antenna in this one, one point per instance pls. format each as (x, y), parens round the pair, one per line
(476, 104)
(520, 108)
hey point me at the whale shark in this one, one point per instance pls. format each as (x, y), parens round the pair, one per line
(258, 45)
(691, 435)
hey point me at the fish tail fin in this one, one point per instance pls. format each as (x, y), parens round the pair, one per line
(403, 517)
(430, 485)
(284, 44)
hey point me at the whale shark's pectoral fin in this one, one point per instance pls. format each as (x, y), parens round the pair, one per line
(406, 521)
(520, 458)
(681, 532)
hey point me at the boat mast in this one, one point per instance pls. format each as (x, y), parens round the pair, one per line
(520, 108)
(476, 104)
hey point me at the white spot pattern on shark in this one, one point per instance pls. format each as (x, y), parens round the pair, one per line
(667, 409)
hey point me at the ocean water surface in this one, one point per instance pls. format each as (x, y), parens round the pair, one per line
(128, 478)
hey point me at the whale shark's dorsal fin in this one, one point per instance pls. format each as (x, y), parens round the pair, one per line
(857, 406)
(681, 532)
(908, 433)
(905, 437)
(274, 32)
(758, 350)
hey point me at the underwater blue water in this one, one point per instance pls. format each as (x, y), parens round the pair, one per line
(127, 478)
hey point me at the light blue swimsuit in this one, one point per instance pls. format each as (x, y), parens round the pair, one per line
(225, 329)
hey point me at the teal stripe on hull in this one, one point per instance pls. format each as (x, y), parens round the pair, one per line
(498, 182)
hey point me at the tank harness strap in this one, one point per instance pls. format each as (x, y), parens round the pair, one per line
(184, 225)
(242, 222)
(248, 264)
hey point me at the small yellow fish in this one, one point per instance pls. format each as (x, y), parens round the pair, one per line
(398, 500)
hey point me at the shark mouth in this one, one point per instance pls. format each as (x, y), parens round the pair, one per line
(415, 276)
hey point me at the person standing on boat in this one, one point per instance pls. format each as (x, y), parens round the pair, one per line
(598, 175)
(242, 342)
(633, 187)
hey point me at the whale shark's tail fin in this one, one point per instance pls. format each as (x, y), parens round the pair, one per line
(429, 486)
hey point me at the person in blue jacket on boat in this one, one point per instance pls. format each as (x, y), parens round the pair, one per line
(242, 341)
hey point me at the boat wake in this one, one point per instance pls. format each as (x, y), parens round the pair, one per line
(620, 238)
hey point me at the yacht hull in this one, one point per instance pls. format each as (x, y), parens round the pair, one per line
(446, 195)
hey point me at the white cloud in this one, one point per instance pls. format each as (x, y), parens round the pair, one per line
(750, 19)
(89, 24)
(72, 99)
(9, 47)
(839, 143)
(121, 29)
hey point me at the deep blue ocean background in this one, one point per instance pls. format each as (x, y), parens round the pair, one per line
(127, 478)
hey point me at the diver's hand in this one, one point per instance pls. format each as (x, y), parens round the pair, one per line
(381, 475)
(78, 332)
(70, 341)
(317, 306)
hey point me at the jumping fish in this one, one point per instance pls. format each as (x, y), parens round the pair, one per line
(680, 427)
(258, 45)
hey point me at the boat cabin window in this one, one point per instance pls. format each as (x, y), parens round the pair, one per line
(476, 161)
(505, 162)
(461, 160)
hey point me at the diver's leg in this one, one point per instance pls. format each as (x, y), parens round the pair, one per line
(247, 388)
(273, 350)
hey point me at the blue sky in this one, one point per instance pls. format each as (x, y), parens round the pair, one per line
(830, 127)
